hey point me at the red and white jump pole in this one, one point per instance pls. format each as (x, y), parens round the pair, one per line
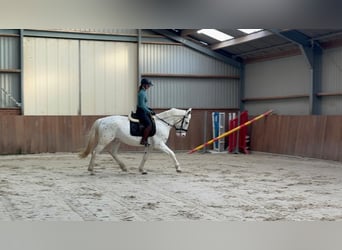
(230, 132)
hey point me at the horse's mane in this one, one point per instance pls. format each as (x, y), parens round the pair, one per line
(171, 112)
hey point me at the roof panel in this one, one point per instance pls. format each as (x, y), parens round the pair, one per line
(265, 44)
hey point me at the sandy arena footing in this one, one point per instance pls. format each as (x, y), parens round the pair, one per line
(214, 187)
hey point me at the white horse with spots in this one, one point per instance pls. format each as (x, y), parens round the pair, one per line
(107, 133)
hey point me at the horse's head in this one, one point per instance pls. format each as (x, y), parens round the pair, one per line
(183, 124)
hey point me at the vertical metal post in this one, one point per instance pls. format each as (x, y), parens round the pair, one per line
(79, 110)
(139, 55)
(242, 87)
(313, 56)
(205, 130)
(236, 151)
(316, 74)
(21, 84)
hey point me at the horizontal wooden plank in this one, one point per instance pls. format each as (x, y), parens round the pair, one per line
(250, 99)
(8, 35)
(162, 43)
(329, 94)
(10, 71)
(190, 76)
(309, 136)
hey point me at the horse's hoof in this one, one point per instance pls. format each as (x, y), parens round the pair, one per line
(143, 172)
(179, 170)
(92, 173)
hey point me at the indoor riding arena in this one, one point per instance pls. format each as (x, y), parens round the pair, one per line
(264, 142)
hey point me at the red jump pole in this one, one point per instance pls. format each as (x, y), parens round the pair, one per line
(230, 131)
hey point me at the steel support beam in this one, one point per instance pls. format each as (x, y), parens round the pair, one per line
(312, 52)
(139, 57)
(240, 40)
(316, 83)
(188, 32)
(229, 60)
(21, 82)
(79, 36)
(10, 32)
(242, 88)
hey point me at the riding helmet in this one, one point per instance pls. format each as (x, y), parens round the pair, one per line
(146, 81)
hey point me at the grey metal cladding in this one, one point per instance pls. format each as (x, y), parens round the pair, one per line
(183, 92)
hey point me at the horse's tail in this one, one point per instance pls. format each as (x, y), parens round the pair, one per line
(93, 138)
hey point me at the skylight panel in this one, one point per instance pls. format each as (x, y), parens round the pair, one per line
(249, 31)
(216, 34)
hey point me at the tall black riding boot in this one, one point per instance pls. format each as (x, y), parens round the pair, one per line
(146, 133)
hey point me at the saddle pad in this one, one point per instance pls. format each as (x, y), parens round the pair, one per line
(136, 128)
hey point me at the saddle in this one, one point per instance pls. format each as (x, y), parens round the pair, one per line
(136, 128)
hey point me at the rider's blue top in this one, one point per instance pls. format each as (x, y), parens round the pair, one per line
(142, 101)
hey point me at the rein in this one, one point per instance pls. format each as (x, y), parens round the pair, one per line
(174, 125)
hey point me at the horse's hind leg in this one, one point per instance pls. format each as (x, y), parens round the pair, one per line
(144, 159)
(114, 153)
(97, 149)
(91, 163)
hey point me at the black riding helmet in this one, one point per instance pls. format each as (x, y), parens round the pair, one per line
(146, 82)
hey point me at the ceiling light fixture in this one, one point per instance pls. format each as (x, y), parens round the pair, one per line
(249, 31)
(216, 34)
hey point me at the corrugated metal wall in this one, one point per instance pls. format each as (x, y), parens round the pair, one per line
(70, 77)
(332, 81)
(194, 93)
(51, 76)
(54, 66)
(9, 89)
(9, 82)
(9, 50)
(108, 77)
(178, 59)
(278, 78)
(184, 92)
(298, 106)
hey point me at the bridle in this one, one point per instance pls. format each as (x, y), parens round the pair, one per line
(179, 129)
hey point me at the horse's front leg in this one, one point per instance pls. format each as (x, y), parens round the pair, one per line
(162, 146)
(144, 159)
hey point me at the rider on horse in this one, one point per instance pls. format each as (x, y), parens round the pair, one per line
(144, 113)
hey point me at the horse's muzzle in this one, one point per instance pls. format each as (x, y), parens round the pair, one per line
(181, 133)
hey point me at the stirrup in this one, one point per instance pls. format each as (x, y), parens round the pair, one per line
(145, 143)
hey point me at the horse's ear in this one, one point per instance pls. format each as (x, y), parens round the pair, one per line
(189, 111)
